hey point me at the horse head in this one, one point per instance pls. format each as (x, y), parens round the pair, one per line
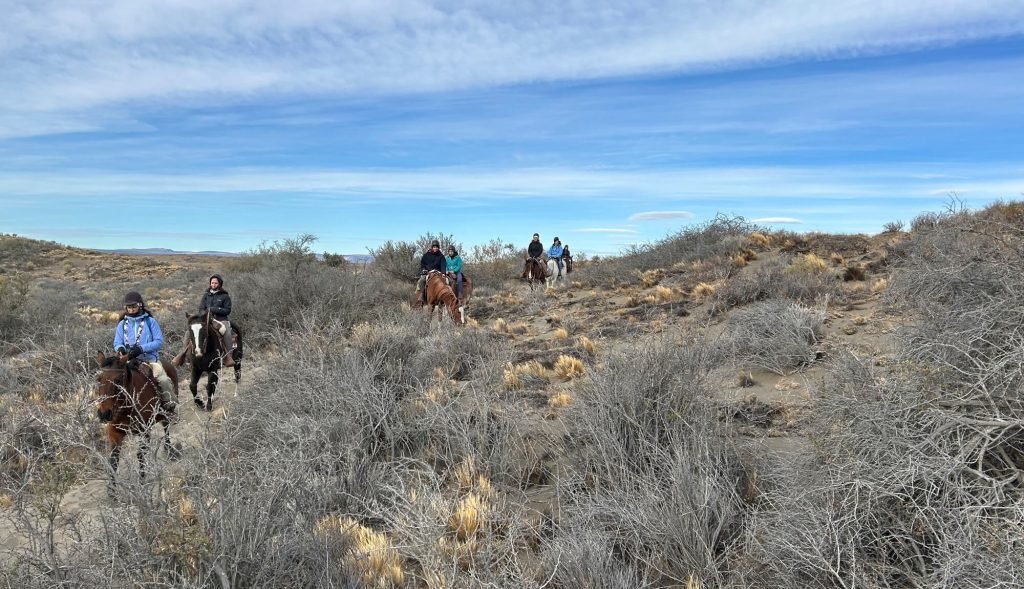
(206, 334)
(112, 380)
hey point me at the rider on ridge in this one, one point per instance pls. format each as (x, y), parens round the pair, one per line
(432, 260)
(555, 253)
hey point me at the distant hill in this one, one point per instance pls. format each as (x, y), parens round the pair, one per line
(162, 251)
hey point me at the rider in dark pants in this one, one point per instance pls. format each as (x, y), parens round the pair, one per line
(432, 260)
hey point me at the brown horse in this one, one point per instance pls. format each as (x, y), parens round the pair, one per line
(439, 293)
(129, 402)
(534, 271)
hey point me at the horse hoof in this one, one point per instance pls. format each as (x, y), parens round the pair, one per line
(199, 402)
(209, 405)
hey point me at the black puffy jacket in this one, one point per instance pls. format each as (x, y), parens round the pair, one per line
(535, 250)
(431, 261)
(219, 302)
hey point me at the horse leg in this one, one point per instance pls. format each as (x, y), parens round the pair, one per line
(141, 454)
(115, 457)
(211, 387)
(172, 454)
(193, 386)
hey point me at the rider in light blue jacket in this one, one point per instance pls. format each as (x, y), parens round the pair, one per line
(555, 253)
(138, 337)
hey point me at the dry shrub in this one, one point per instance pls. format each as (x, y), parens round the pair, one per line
(703, 291)
(560, 399)
(517, 376)
(663, 294)
(561, 334)
(880, 285)
(775, 335)
(649, 278)
(836, 259)
(586, 346)
(854, 272)
(469, 517)
(809, 263)
(367, 551)
(758, 239)
(569, 367)
(739, 261)
(500, 325)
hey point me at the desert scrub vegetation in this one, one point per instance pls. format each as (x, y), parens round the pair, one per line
(718, 239)
(803, 279)
(658, 478)
(779, 336)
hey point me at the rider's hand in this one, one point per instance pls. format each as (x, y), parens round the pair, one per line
(121, 351)
(135, 352)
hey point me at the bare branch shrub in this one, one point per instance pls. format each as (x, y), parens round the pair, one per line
(778, 336)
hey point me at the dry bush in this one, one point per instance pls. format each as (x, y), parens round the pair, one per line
(810, 263)
(569, 367)
(773, 279)
(649, 278)
(659, 469)
(561, 334)
(759, 239)
(778, 336)
(703, 291)
(586, 346)
(854, 272)
(663, 294)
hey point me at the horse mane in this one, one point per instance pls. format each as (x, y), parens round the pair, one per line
(108, 361)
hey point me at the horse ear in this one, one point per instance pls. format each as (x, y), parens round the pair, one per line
(100, 358)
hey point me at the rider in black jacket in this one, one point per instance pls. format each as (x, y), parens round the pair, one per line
(432, 260)
(536, 248)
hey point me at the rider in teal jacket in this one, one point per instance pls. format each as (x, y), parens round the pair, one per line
(555, 253)
(454, 266)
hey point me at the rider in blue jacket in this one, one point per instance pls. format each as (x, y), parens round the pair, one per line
(455, 267)
(138, 336)
(555, 253)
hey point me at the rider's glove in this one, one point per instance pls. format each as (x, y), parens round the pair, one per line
(135, 352)
(120, 350)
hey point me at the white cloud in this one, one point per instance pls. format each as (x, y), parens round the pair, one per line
(660, 215)
(777, 220)
(64, 59)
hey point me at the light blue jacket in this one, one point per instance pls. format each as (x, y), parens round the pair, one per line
(555, 251)
(454, 264)
(151, 339)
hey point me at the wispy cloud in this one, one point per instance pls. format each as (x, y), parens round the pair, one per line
(65, 63)
(661, 215)
(777, 220)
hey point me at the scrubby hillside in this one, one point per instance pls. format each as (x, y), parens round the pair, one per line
(728, 407)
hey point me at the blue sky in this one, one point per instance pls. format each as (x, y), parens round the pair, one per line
(195, 125)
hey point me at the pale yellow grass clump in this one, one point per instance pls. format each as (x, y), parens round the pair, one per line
(809, 263)
(560, 399)
(748, 254)
(569, 367)
(651, 277)
(703, 290)
(554, 319)
(370, 552)
(561, 334)
(469, 517)
(587, 345)
(6, 501)
(663, 293)
(739, 261)
(363, 333)
(514, 372)
(472, 323)
(759, 239)
(880, 285)
(836, 259)
(219, 414)
(187, 511)
(500, 325)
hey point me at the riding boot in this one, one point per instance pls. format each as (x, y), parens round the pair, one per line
(164, 389)
(228, 361)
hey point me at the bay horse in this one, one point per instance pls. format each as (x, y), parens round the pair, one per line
(534, 271)
(129, 403)
(439, 293)
(205, 354)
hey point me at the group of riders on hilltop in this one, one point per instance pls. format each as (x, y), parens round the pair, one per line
(451, 265)
(138, 337)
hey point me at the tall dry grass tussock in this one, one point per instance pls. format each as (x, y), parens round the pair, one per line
(569, 367)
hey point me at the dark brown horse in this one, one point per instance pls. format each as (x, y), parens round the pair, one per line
(205, 353)
(439, 293)
(534, 271)
(129, 402)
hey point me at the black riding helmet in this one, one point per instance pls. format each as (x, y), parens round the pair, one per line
(133, 298)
